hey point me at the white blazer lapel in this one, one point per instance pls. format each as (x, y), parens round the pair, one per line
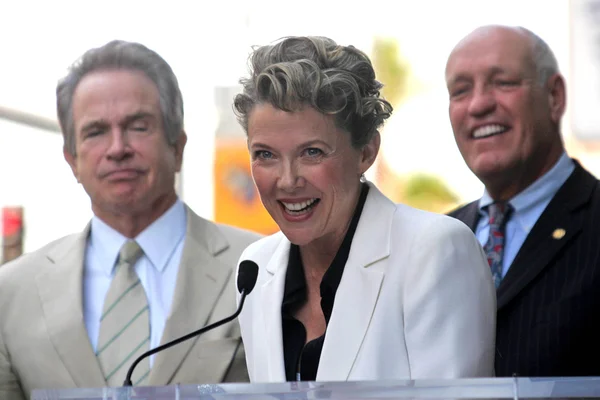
(271, 299)
(359, 288)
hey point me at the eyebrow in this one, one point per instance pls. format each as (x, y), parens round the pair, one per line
(302, 145)
(465, 78)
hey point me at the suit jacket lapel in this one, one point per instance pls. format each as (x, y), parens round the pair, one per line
(271, 299)
(469, 214)
(540, 246)
(351, 312)
(60, 286)
(200, 281)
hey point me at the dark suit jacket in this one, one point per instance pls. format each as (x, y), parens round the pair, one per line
(548, 319)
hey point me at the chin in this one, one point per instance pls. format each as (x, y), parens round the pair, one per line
(297, 237)
(489, 166)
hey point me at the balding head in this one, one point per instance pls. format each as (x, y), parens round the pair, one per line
(537, 52)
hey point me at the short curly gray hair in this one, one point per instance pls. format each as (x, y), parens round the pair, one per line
(317, 72)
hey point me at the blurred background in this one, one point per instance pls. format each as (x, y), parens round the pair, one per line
(207, 44)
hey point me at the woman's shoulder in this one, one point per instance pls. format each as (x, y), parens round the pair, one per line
(429, 223)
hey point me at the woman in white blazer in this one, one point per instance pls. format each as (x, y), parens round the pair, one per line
(353, 287)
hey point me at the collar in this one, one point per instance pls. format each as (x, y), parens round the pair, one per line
(159, 240)
(542, 189)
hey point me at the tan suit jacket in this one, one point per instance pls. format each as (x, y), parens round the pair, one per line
(43, 339)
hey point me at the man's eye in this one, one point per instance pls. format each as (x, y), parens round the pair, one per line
(458, 92)
(93, 133)
(139, 127)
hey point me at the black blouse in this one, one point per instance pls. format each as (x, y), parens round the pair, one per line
(302, 361)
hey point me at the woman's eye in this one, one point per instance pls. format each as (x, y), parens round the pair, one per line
(313, 152)
(263, 154)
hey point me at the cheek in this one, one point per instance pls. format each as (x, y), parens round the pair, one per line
(338, 176)
(456, 114)
(263, 179)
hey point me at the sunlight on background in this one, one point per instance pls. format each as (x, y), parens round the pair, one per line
(207, 45)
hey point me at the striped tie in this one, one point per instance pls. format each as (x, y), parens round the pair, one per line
(125, 323)
(494, 248)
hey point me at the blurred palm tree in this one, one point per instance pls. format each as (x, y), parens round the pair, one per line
(391, 69)
(422, 191)
(430, 193)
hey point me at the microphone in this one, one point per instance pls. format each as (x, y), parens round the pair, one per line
(247, 274)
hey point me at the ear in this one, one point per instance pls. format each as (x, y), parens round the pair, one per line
(369, 152)
(557, 97)
(179, 147)
(72, 161)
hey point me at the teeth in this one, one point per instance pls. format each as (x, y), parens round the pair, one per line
(298, 206)
(488, 130)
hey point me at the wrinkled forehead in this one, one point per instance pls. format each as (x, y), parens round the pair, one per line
(491, 49)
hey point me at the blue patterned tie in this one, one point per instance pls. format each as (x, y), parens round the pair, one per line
(494, 248)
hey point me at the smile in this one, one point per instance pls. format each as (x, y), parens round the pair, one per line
(299, 208)
(489, 130)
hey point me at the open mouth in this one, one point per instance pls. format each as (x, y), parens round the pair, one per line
(301, 207)
(489, 131)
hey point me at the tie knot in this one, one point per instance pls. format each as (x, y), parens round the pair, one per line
(130, 252)
(499, 213)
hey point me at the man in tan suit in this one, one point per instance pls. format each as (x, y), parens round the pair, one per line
(145, 270)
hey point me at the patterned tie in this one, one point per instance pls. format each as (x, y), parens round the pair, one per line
(124, 325)
(494, 248)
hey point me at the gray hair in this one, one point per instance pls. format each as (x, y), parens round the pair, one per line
(317, 72)
(543, 57)
(119, 54)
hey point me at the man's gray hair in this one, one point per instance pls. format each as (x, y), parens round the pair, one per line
(543, 57)
(122, 55)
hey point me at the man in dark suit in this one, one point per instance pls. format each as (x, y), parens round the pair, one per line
(539, 217)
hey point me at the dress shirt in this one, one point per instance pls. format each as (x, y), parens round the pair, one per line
(157, 269)
(527, 208)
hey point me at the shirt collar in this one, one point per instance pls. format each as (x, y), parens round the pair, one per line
(542, 189)
(159, 240)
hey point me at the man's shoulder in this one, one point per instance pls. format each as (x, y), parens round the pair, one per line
(460, 211)
(28, 264)
(238, 235)
(225, 239)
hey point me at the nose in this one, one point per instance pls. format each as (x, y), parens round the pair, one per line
(289, 177)
(482, 101)
(118, 148)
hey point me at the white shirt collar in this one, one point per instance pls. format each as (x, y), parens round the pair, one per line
(159, 240)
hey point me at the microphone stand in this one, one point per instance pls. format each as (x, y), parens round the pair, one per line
(184, 338)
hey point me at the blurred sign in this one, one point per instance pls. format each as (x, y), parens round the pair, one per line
(12, 233)
(585, 68)
(237, 201)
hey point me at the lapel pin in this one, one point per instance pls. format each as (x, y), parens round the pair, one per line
(558, 233)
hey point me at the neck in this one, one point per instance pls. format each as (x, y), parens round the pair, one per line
(509, 184)
(318, 257)
(131, 222)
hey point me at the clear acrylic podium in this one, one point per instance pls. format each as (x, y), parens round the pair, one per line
(484, 388)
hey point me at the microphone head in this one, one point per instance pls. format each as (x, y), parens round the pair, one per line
(247, 274)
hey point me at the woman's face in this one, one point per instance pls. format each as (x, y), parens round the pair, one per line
(306, 171)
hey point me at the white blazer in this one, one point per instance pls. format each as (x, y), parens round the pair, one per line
(416, 300)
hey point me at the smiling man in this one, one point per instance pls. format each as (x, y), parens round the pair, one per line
(539, 216)
(145, 270)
